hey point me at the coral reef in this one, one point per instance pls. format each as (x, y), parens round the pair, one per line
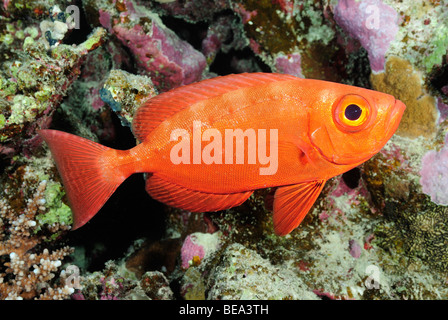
(124, 93)
(32, 214)
(377, 232)
(198, 246)
(404, 83)
(116, 283)
(243, 274)
(159, 52)
(434, 174)
(373, 23)
(33, 87)
(191, 11)
(421, 234)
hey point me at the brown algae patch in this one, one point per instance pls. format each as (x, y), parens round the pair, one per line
(404, 83)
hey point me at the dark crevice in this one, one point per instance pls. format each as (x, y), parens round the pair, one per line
(352, 177)
(438, 79)
(193, 33)
(238, 61)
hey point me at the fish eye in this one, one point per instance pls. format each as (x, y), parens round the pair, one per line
(352, 112)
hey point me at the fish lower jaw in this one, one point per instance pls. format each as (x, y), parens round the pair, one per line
(344, 160)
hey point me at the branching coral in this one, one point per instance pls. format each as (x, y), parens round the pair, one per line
(28, 263)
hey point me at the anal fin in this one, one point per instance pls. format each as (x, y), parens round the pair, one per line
(192, 200)
(292, 203)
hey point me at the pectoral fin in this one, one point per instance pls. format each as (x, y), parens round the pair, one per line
(292, 203)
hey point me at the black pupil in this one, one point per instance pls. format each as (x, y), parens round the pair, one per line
(353, 112)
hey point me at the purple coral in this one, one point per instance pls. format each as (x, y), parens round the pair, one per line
(160, 53)
(189, 250)
(434, 175)
(373, 23)
(443, 109)
(290, 64)
(170, 61)
(355, 249)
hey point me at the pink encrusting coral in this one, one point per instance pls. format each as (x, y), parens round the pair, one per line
(189, 250)
(355, 249)
(287, 6)
(198, 246)
(443, 110)
(434, 174)
(290, 64)
(373, 23)
(159, 52)
(179, 62)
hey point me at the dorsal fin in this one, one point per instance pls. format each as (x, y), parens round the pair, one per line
(191, 200)
(165, 105)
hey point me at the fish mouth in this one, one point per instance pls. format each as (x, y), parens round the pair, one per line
(394, 118)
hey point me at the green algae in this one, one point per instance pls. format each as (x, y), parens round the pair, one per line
(58, 211)
(7, 87)
(439, 48)
(2, 121)
(23, 109)
(422, 38)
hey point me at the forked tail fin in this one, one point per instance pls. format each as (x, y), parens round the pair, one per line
(90, 172)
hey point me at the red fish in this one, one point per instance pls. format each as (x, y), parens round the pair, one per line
(207, 146)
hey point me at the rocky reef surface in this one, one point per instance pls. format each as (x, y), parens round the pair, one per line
(379, 231)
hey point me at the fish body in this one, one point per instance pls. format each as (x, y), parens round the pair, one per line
(207, 146)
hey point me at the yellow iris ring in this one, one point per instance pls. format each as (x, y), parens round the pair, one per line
(357, 122)
(347, 124)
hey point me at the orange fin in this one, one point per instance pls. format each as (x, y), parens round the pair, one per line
(191, 200)
(292, 203)
(163, 106)
(85, 172)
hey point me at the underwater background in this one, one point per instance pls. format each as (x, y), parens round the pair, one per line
(380, 231)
